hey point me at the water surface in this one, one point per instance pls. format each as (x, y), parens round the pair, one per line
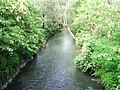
(53, 68)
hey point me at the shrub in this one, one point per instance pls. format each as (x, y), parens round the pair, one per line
(21, 35)
(97, 27)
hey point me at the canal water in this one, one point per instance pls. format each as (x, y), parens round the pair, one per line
(53, 68)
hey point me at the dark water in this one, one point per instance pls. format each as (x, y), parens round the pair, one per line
(53, 68)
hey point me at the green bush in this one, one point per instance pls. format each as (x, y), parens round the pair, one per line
(103, 58)
(97, 27)
(107, 61)
(83, 37)
(21, 35)
(83, 61)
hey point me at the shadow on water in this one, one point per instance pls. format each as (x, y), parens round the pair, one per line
(53, 68)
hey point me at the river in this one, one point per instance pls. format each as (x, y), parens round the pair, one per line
(53, 68)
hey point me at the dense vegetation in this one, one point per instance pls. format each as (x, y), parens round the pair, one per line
(97, 28)
(25, 25)
(22, 32)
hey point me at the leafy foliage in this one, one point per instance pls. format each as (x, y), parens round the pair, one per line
(97, 28)
(21, 35)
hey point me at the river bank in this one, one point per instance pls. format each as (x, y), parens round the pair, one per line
(53, 68)
(19, 69)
